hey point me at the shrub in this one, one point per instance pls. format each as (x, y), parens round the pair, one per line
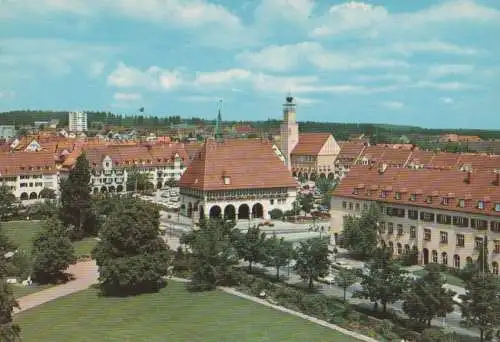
(315, 305)
(275, 214)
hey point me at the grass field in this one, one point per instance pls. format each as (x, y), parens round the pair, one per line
(21, 291)
(23, 232)
(172, 315)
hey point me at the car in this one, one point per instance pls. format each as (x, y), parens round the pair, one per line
(328, 279)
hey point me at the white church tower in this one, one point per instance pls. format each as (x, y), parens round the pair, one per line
(289, 133)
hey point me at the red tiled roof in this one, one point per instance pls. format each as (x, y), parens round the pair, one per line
(392, 156)
(351, 149)
(310, 143)
(249, 164)
(431, 182)
(24, 163)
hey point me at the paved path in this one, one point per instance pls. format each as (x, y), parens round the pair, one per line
(85, 274)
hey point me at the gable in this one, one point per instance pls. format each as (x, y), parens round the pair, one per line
(330, 147)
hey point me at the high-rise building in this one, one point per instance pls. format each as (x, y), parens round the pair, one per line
(289, 130)
(77, 121)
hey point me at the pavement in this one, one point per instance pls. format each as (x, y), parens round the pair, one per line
(85, 274)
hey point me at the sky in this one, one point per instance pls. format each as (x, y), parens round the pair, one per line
(427, 63)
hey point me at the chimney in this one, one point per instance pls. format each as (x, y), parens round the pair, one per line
(497, 178)
(469, 176)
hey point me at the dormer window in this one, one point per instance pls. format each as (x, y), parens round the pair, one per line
(413, 197)
(397, 195)
(497, 206)
(355, 191)
(428, 199)
(227, 180)
(480, 204)
(445, 200)
(461, 203)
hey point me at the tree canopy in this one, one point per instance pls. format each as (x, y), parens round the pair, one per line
(361, 233)
(131, 255)
(8, 202)
(312, 260)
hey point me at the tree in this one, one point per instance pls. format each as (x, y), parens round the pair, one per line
(361, 233)
(9, 331)
(275, 214)
(312, 259)
(171, 182)
(52, 252)
(76, 201)
(438, 335)
(8, 202)
(480, 304)
(427, 298)
(48, 193)
(344, 279)
(325, 187)
(278, 253)
(306, 202)
(251, 246)
(213, 254)
(131, 255)
(385, 280)
(137, 181)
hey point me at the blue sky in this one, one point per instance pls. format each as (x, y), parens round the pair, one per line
(427, 63)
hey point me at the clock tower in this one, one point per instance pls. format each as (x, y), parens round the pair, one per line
(289, 129)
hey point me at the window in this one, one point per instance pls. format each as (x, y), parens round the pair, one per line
(497, 206)
(390, 228)
(355, 191)
(444, 258)
(398, 195)
(434, 257)
(426, 217)
(413, 197)
(365, 206)
(478, 241)
(357, 207)
(460, 240)
(400, 248)
(444, 237)
(400, 229)
(456, 261)
(382, 227)
(479, 224)
(350, 205)
(391, 246)
(461, 203)
(460, 221)
(445, 201)
(494, 267)
(427, 234)
(480, 204)
(271, 201)
(443, 219)
(344, 205)
(497, 247)
(428, 199)
(413, 232)
(495, 226)
(413, 214)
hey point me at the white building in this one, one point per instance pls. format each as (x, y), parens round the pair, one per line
(26, 174)
(236, 179)
(77, 121)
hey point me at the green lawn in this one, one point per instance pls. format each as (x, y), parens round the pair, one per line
(171, 315)
(450, 278)
(21, 232)
(21, 291)
(85, 246)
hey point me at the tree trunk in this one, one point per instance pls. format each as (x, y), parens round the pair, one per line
(482, 335)
(344, 292)
(278, 273)
(384, 307)
(311, 283)
(429, 322)
(250, 266)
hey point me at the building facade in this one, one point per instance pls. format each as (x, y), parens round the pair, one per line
(26, 174)
(445, 215)
(236, 179)
(77, 121)
(7, 132)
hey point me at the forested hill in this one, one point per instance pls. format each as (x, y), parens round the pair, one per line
(341, 130)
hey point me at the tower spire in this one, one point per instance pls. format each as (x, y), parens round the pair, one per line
(218, 122)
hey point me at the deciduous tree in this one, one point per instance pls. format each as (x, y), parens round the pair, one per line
(361, 233)
(8, 202)
(311, 258)
(251, 246)
(385, 280)
(131, 255)
(344, 279)
(480, 304)
(278, 253)
(9, 331)
(52, 252)
(427, 298)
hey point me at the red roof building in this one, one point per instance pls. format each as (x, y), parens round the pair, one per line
(236, 179)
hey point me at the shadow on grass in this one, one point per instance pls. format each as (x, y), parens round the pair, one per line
(114, 290)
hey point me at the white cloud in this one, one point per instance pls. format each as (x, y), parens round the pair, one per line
(97, 68)
(200, 98)
(409, 48)
(295, 11)
(370, 20)
(306, 100)
(446, 86)
(438, 71)
(127, 97)
(398, 78)
(6, 94)
(288, 57)
(154, 78)
(447, 100)
(395, 105)
(221, 77)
